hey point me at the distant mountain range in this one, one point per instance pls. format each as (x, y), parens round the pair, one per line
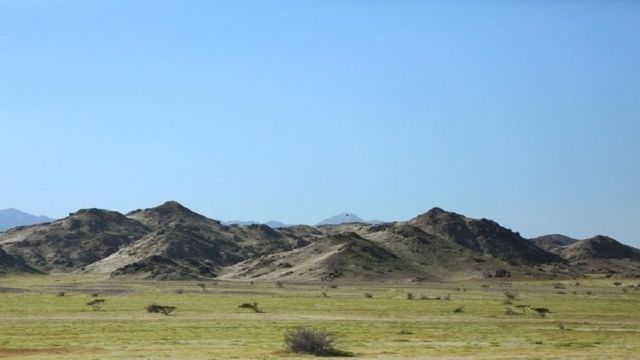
(273, 224)
(13, 217)
(343, 218)
(171, 242)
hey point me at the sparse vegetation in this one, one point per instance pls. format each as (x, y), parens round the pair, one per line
(458, 310)
(388, 327)
(368, 295)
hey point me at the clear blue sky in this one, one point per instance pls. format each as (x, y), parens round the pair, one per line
(526, 112)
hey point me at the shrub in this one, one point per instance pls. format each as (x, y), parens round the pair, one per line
(368, 295)
(313, 342)
(459, 310)
(61, 293)
(96, 304)
(510, 295)
(409, 296)
(253, 306)
(163, 309)
(542, 312)
(509, 311)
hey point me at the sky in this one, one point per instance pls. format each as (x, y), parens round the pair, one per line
(524, 112)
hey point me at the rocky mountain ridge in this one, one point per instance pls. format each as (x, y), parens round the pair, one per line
(171, 242)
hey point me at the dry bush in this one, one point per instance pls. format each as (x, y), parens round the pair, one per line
(509, 311)
(253, 306)
(162, 309)
(96, 304)
(313, 342)
(542, 312)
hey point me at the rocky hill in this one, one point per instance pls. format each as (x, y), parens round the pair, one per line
(171, 242)
(344, 255)
(183, 244)
(598, 254)
(69, 244)
(553, 243)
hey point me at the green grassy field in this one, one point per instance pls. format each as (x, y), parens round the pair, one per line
(594, 320)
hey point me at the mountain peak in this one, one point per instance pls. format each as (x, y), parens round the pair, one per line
(342, 218)
(171, 212)
(169, 208)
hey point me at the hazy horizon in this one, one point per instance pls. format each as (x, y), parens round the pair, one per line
(526, 113)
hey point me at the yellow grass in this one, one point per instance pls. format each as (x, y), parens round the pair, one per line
(36, 323)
